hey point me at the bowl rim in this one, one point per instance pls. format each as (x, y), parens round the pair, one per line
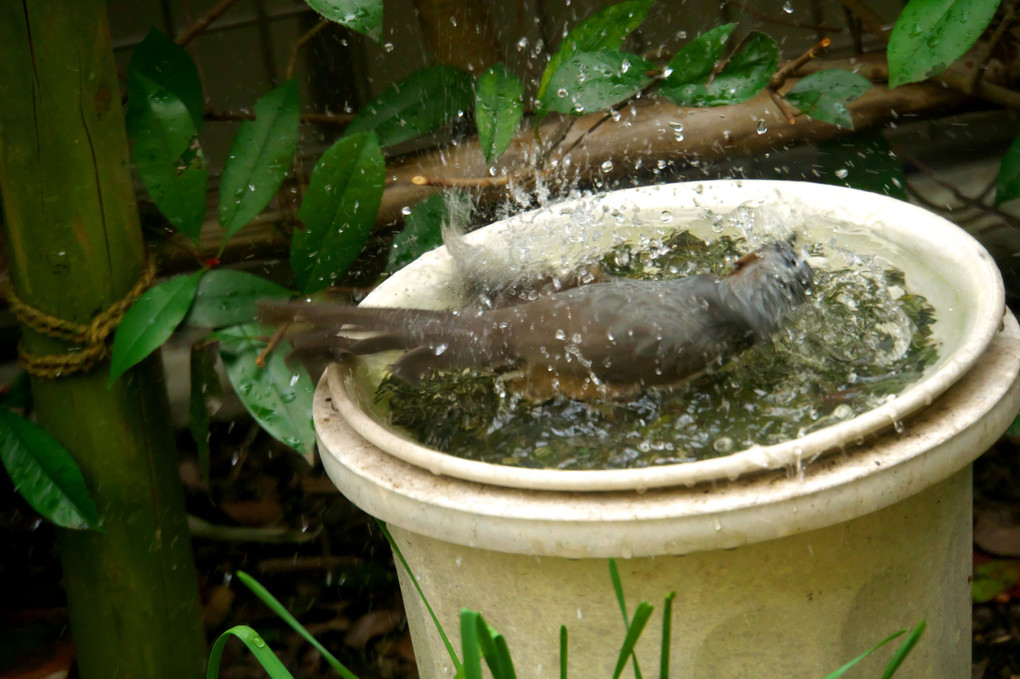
(988, 312)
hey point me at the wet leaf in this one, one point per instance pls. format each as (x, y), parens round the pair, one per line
(930, 35)
(994, 577)
(591, 81)
(169, 65)
(166, 152)
(277, 396)
(499, 105)
(205, 387)
(151, 320)
(423, 228)
(45, 473)
(420, 103)
(691, 67)
(602, 30)
(363, 16)
(338, 211)
(745, 74)
(1007, 183)
(825, 94)
(258, 647)
(863, 161)
(260, 157)
(226, 297)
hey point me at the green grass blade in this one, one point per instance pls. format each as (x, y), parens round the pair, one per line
(667, 635)
(904, 650)
(470, 644)
(270, 663)
(614, 575)
(862, 656)
(417, 587)
(273, 603)
(563, 652)
(641, 615)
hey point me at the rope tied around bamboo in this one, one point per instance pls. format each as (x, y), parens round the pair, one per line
(91, 338)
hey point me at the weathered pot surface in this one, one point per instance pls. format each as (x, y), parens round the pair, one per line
(940, 261)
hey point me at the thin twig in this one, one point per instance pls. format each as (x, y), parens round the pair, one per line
(984, 50)
(783, 107)
(203, 22)
(465, 182)
(301, 42)
(260, 360)
(780, 76)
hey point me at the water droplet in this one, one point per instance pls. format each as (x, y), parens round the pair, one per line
(560, 335)
(562, 92)
(788, 7)
(625, 66)
(842, 173)
(762, 127)
(258, 642)
(387, 47)
(723, 444)
(522, 43)
(666, 216)
(607, 166)
(406, 210)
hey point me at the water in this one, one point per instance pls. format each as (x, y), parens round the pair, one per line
(859, 339)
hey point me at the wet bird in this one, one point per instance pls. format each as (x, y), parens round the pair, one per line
(604, 339)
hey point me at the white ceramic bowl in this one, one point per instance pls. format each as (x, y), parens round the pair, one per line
(940, 261)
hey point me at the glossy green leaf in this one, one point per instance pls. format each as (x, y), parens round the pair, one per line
(276, 607)
(45, 473)
(338, 211)
(420, 103)
(423, 228)
(499, 106)
(603, 30)
(930, 35)
(862, 161)
(226, 297)
(363, 16)
(151, 320)
(994, 577)
(169, 65)
(262, 154)
(278, 396)
(592, 81)
(745, 74)
(258, 647)
(904, 650)
(205, 389)
(166, 152)
(824, 95)
(1007, 183)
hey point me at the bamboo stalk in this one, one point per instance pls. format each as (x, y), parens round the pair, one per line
(75, 248)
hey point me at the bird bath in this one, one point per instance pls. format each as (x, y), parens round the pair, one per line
(794, 557)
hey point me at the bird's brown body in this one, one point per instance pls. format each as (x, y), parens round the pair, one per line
(604, 338)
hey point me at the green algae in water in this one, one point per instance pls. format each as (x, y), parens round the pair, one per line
(857, 341)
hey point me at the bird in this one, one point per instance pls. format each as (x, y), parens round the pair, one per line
(606, 339)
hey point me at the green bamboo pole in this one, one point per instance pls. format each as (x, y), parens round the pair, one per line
(75, 247)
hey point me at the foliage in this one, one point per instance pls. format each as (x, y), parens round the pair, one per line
(479, 641)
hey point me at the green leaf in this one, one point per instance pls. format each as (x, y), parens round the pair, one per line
(470, 643)
(634, 630)
(602, 30)
(590, 81)
(745, 74)
(825, 94)
(339, 211)
(904, 650)
(993, 577)
(863, 161)
(258, 647)
(205, 386)
(45, 474)
(226, 297)
(1007, 183)
(166, 152)
(420, 103)
(423, 228)
(499, 105)
(363, 16)
(260, 157)
(278, 397)
(667, 635)
(930, 35)
(169, 65)
(842, 670)
(151, 320)
(274, 605)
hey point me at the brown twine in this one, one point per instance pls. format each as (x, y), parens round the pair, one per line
(90, 338)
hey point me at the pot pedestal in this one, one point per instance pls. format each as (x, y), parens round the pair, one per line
(789, 572)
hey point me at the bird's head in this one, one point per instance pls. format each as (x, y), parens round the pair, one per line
(766, 284)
